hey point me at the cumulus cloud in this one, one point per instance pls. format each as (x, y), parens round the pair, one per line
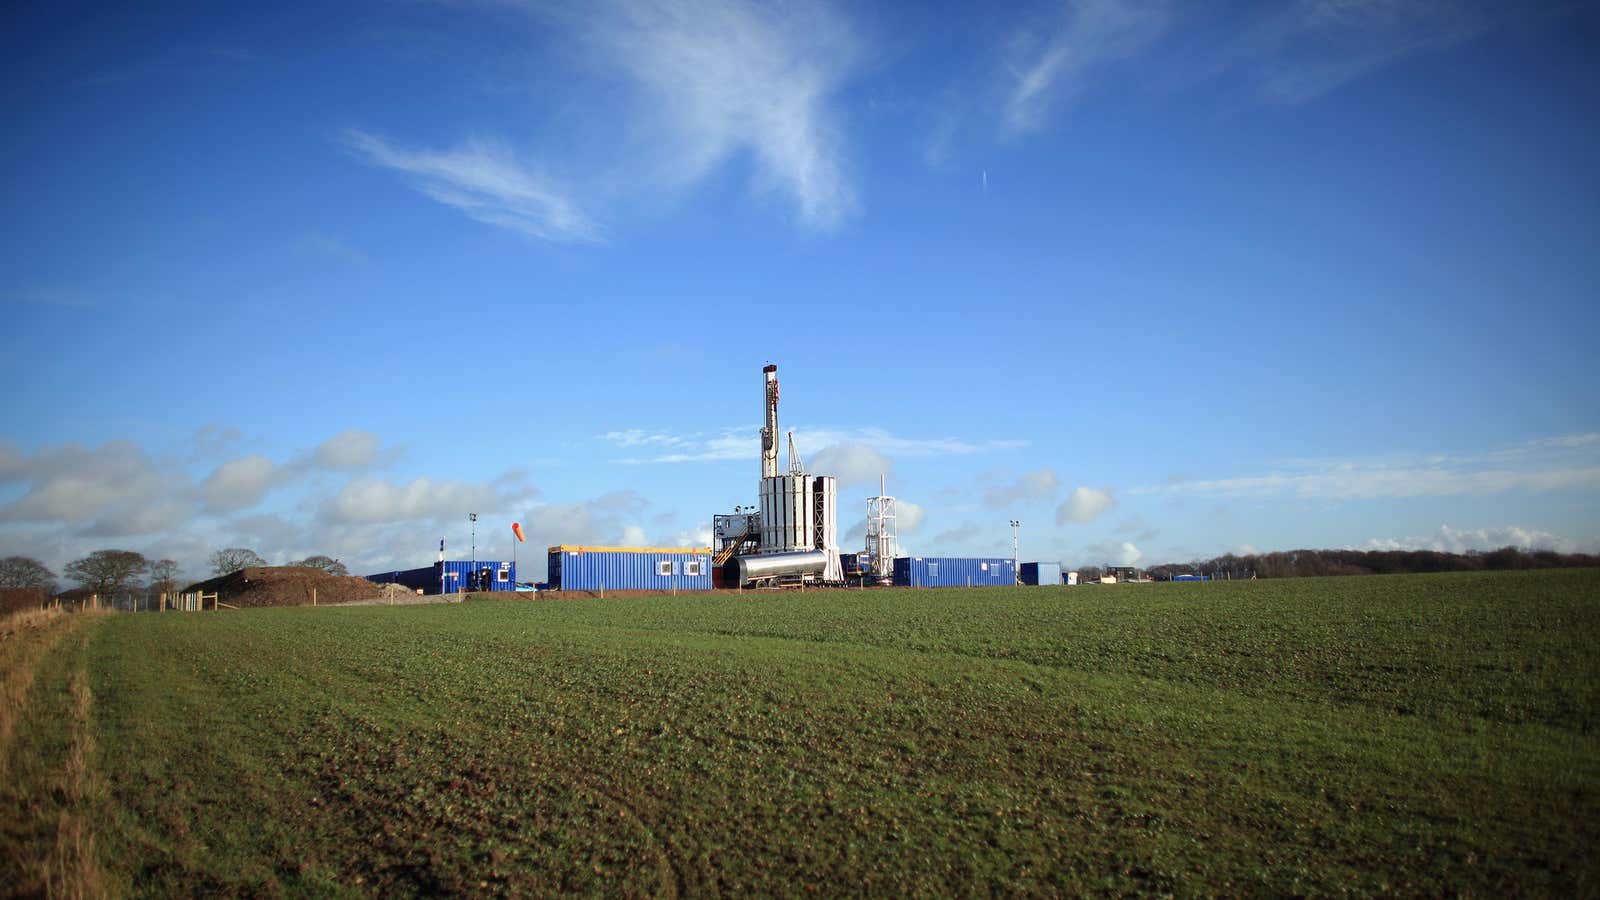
(376, 500)
(239, 484)
(1084, 504)
(1114, 553)
(851, 463)
(112, 490)
(350, 449)
(1029, 486)
(242, 483)
(1452, 540)
(908, 516)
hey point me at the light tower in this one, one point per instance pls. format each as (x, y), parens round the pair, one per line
(1016, 576)
(882, 539)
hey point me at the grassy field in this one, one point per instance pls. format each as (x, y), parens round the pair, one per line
(1416, 734)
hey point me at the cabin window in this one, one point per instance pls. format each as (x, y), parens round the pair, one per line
(664, 567)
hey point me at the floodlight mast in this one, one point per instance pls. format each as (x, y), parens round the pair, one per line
(1016, 574)
(769, 431)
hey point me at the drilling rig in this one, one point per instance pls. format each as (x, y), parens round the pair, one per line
(793, 536)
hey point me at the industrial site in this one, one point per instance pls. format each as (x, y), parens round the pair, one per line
(788, 539)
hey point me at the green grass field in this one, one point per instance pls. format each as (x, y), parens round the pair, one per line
(1417, 734)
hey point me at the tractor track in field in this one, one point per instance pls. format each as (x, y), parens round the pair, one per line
(673, 884)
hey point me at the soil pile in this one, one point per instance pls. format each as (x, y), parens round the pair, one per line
(286, 586)
(16, 599)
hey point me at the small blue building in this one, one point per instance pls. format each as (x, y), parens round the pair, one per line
(1041, 573)
(948, 571)
(630, 568)
(451, 576)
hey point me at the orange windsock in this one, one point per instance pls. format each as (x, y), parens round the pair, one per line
(516, 529)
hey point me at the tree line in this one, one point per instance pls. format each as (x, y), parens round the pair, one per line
(1314, 563)
(115, 574)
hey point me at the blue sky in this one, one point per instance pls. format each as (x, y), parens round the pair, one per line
(1161, 281)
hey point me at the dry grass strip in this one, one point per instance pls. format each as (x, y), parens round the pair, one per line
(72, 869)
(24, 638)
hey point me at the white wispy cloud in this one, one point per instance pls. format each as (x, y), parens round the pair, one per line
(707, 83)
(1551, 464)
(720, 77)
(485, 180)
(1083, 37)
(743, 443)
(1308, 48)
(1284, 54)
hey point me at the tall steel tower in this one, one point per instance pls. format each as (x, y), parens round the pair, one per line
(882, 538)
(769, 431)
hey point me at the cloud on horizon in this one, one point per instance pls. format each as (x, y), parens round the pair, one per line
(1566, 463)
(1452, 540)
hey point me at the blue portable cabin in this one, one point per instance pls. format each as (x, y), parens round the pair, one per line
(948, 571)
(1041, 573)
(630, 568)
(454, 575)
(1191, 578)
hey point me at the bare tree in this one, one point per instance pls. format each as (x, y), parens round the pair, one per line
(325, 563)
(226, 562)
(107, 572)
(26, 572)
(164, 576)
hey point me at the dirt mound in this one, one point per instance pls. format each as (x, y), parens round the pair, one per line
(14, 599)
(286, 586)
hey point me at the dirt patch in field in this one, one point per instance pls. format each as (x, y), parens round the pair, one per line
(286, 586)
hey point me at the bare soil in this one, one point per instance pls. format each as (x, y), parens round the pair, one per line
(287, 586)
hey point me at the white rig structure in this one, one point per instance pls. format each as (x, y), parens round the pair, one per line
(798, 532)
(883, 543)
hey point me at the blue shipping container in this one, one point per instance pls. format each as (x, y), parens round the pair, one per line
(630, 569)
(929, 571)
(454, 575)
(1041, 573)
